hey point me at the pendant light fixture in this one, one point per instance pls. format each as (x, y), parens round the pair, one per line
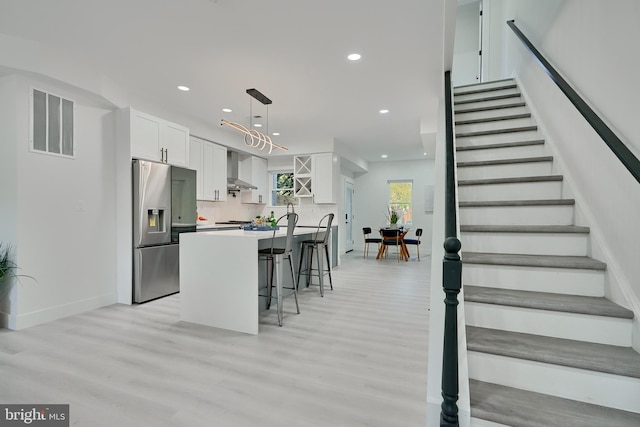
(252, 137)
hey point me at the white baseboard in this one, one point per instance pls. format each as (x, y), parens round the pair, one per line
(26, 320)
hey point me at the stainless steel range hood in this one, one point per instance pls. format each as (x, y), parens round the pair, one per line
(233, 182)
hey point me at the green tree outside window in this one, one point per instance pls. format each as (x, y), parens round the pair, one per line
(282, 189)
(400, 200)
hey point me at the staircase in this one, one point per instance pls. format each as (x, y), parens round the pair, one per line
(545, 348)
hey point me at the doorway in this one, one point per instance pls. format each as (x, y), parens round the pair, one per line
(348, 216)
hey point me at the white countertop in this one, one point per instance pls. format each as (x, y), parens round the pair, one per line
(282, 232)
(214, 226)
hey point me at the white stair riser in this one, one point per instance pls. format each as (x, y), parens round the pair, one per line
(489, 85)
(501, 153)
(555, 280)
(475, 141)
(461, 108)
(514, 191)
(490, 114)
(494, 126)
(511, 170)
(527, 243)
(518, 215)
(572, 326)
(570, 383)
(482, 95)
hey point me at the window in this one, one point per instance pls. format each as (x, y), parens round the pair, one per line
(52, 124)
(400, 196)
(282, 189)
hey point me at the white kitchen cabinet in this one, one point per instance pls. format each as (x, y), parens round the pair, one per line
(175, 140)
(324, 179)
(302, 176)
(316, 176)
(214, 172)
(195, 163)
(209, 160)
(152, 138)
(254, 171)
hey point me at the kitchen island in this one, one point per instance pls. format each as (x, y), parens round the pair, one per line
(220, 275)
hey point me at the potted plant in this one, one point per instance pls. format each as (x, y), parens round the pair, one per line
(393, 219)
(8, 268)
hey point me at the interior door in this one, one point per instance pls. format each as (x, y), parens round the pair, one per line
(348, 214)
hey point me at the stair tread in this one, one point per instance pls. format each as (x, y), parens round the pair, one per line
(525, 260)
(512, 180)
(516, 407)
(499, 203)
(493, 119)
(572, 229)
(488, 107)
(506, 161)
(479, 87)
(624, 361)
(497, 131)
(501, 145)
(594, 306)
(487, 98)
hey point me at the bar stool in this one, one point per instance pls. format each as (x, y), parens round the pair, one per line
(274, 257)
(320, 240)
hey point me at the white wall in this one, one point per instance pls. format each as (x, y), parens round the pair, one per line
(8, 186)
(371, 197)
(64, 213)
(593, 44)
(465, 51)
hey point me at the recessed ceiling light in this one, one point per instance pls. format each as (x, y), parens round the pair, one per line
(384, 156)
(258, 125)
(354, 57)
(227, 110)
(384, 111)
(276, 134)
(424, 154)
(183, 88)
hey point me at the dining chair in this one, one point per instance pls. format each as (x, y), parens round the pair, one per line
(319, 244)
(274, 257)
(391, 237)
(415, 241)
(367, 232)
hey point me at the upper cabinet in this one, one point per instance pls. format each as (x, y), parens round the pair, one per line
(302, 176)
(254, 171)
(159, 140)
(195, 163)
(209, 160)
(214, 172)
(316, 176)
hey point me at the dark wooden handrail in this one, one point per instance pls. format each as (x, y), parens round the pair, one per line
(451, 274)
(628, 159)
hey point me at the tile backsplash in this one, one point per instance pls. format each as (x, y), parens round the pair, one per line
(233, 209)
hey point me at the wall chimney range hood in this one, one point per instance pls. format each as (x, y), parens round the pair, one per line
(233, 182)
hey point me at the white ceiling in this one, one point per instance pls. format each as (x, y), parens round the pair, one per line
(293, 51)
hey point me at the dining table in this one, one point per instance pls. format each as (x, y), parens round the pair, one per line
(404, 251)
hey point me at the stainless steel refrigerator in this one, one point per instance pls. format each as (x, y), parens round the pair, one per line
(164, 205)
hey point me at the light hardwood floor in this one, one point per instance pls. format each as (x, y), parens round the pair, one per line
(357, 357)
